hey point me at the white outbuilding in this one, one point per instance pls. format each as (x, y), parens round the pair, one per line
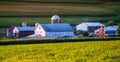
(109, 31)
(19, 32)
(54, 30)
(90, 27)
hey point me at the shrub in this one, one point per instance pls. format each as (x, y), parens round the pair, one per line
(110, 23)
(85, 33)
(55, 40)
(117, 10)
(93, 35)
(119, 31)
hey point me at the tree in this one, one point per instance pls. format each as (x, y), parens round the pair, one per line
(85, 33)
(110, 23)
(119, 31)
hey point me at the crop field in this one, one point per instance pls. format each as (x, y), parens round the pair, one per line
(13, 13)
(72, 20)
(96, 51)
(54, 1)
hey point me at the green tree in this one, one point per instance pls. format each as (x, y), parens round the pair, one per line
(119, 31)
(110, 23)
(85, 33)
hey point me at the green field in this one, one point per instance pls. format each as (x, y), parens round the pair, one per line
(13, 13)
(99, 12)
(49, 1)
(97, 51)
(72, 20)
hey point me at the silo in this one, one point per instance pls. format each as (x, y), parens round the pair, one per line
(55, 19)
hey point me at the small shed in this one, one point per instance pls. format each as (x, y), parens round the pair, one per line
(54, 30)
(90, 27)
(10, 31)
(19, 32)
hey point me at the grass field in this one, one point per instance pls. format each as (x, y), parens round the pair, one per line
(72, 20)
(49, 1)
(97, 51)
(42, 12)
(13, 13)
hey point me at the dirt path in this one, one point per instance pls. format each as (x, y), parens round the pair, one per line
(48, 8)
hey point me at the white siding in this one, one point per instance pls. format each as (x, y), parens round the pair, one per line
(39, 31)
(59, 34)
(82, 27)
(15, 30)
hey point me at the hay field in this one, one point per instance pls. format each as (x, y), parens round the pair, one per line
(96, 51)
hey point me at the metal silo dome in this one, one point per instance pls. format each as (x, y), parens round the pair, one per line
(55, 19)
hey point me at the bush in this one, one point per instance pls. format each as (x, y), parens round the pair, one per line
(55, 40)
(85, 33)
(93, 35)
(110, 23)
(117, 10)
(119, 31)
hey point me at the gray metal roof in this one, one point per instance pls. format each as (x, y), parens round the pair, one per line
(111, 28)
(27, 28)
(57, 27)
(93, 24)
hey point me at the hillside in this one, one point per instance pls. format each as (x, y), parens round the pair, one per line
(74, 12)
(65, 1)
(59, 1)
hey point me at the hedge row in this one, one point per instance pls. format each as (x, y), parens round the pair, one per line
(54, 40)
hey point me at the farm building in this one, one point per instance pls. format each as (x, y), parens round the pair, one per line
(109, 31)
(54, 30)
(90, 27)
(55, 19)
(19, 32)
(10, 31)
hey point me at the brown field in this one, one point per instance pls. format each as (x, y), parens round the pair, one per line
(48, 8)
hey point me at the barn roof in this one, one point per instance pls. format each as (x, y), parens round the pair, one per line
(27, 28)
(57, 27)
(115, 27)
(111, 28)
(93, 24)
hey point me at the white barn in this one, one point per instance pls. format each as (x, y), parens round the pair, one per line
(54, 30)
(24, 31)
(90, 27)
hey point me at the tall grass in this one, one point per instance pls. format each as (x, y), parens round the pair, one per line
(98, 51)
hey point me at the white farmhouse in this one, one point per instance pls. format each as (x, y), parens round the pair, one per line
(54, 30)
(90, 27)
